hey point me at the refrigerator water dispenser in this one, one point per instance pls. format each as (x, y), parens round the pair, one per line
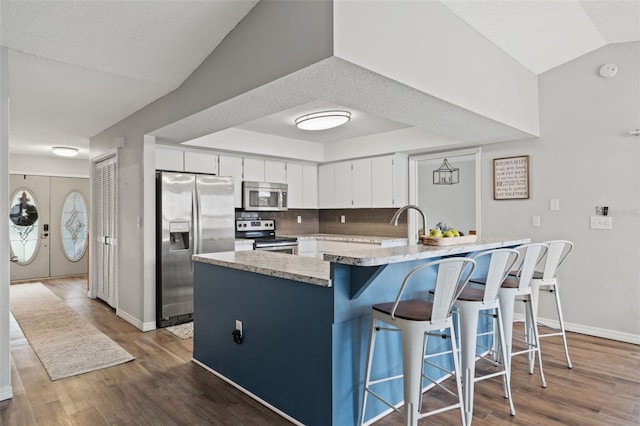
(178, 236)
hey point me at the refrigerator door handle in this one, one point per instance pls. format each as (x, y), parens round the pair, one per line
(195, 211)
(198, 227)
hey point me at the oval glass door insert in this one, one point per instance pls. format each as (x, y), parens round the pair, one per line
(23, 226)
(74, 226)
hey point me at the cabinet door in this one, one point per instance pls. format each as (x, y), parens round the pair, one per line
(232, 166)
(200, 162)
(296, 185)
(326, 179)
(169, 159)
(253, 169)
(382, 182)
(342, 185)
(309, 186)
(275, 171)
(361, 183)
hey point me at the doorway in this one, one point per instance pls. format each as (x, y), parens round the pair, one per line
(48, 225)
(457, 204)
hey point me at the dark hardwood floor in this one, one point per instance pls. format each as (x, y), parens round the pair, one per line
(163, 387)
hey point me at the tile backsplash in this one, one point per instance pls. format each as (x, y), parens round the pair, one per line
(357, 222)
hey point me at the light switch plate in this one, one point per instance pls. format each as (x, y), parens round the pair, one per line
(535, 221)
(601, 222)
(554, 204)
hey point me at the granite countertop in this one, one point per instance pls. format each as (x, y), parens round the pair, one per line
(352, 238)
(298, 268)
(383, 256)
(314, 271)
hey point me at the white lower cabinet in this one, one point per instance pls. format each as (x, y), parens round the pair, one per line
(244, 245)
(308, 247)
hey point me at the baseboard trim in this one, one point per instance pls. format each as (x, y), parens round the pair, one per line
(142, 326)
(248, 393)
(6, 392)
(585, 329)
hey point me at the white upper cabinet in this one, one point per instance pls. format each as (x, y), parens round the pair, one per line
(326, 179)
(390, 181)
(254, 169)
(232, 166)
(361, 183)
(200, 162)
(275, 171)
(309, 186)
(342, 186)
(261, 170)
(169, 159)
(302, 180)
(295, 185)
(379, 182)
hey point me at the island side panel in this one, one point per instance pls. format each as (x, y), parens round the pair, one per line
(285, 358)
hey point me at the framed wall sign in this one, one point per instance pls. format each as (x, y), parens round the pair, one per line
(511, 178)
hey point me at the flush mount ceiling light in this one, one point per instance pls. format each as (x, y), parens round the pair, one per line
(65, 151)
(446, 175)
(323, 120)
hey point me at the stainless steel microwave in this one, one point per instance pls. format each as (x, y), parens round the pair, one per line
(264, 196)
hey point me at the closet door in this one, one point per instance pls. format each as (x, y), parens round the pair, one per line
(106, 213)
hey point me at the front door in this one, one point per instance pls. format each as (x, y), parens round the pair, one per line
(29, 226)
(48, 225)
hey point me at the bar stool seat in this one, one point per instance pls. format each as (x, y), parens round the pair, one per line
(416, 319)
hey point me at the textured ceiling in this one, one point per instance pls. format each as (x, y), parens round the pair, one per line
(77, 67)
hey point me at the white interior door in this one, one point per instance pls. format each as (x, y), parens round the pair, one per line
(106, 209)
(29, 226)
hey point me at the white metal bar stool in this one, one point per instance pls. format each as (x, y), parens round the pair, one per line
(547, 280)
(518, 287)
(471, 303)
(415, 319)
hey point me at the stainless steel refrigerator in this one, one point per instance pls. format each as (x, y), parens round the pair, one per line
(194, 214)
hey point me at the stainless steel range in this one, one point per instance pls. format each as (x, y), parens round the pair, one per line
(263, 232)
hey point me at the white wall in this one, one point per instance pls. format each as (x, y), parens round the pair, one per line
(48, 166)
(453, 204)
(426, 46)
(5, 352)
(273, 40)
(585, 158)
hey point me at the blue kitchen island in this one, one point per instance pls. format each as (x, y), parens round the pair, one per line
(305, 324)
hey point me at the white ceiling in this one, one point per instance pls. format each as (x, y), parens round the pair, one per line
(77, 67)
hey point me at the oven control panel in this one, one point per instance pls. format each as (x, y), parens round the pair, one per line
(255, 225)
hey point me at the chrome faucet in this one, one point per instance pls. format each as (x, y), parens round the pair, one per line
(396, 217)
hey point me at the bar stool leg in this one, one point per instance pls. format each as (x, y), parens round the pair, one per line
(530, 310)
(468, 333)
(412, 359)
(367, 377)
(561, 320)
(506, 363)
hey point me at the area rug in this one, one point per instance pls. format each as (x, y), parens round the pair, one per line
(66, 344)
(183, 331)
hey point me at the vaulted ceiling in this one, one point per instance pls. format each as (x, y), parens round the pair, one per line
(78, 67)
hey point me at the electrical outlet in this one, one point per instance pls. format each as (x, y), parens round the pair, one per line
(343, 218)
(299, 219)
(601, 222)
(535, 221)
